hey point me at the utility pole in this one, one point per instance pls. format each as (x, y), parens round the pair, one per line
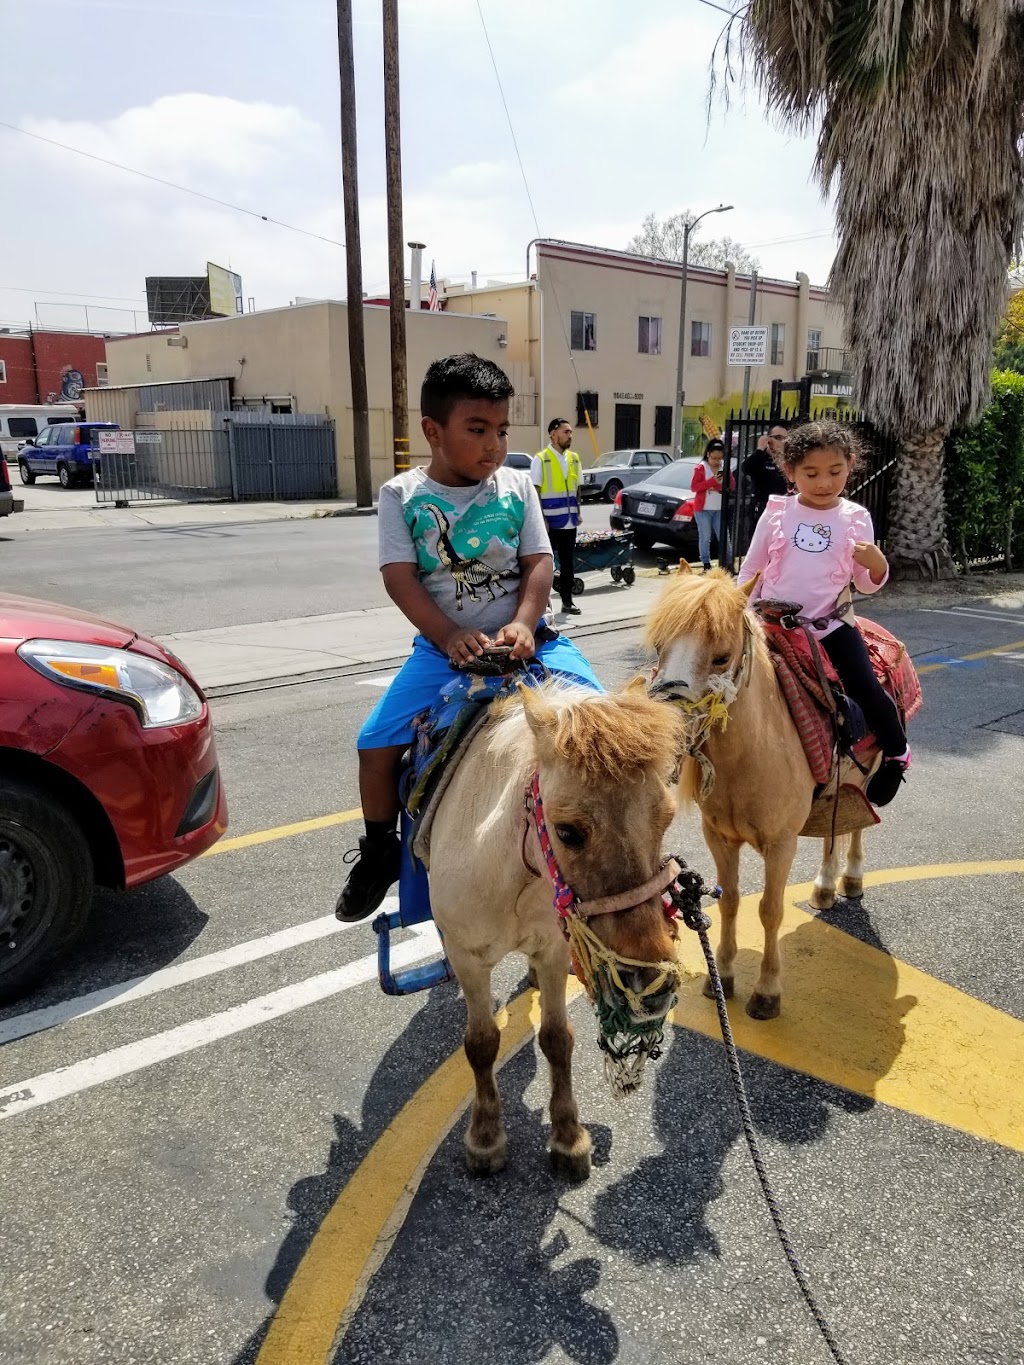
(354, 259)
(677, 407)
(396, 250)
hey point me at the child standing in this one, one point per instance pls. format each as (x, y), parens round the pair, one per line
(808, 549)
(706, 486)
(465, 555)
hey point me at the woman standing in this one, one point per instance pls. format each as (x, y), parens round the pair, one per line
(707, 501)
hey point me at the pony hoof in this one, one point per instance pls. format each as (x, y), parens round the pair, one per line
(487, 1160)
(571, 1166)
(764, 1006)
(852, 888)
(727, 987)
(822, 899)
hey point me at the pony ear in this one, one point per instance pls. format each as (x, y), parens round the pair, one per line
(637, 686)
(750, 585)
(541, 716)
(684, 566)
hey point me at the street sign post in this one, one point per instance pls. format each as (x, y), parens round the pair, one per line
(748, 346)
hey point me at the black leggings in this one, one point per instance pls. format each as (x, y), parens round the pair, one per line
(849, 654)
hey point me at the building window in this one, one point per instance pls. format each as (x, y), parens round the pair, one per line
(649, 336)
(700, 338)
(3, 371)
(101, 374)
(663, 426)
(814, 348)
(586, 403)
(583, 332)
(778, 343)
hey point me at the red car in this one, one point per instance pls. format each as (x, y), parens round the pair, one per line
(108, 774)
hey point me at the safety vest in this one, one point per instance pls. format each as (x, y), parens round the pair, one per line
(558, 492)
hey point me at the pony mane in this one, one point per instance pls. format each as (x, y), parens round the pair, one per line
(613, 736)
(709, 605)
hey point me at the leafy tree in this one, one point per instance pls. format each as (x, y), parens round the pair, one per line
(919, 111)
(663, 241)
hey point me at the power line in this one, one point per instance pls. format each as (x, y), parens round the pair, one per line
(66, 294)
(170, 184)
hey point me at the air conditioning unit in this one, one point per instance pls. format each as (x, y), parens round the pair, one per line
(101, 374)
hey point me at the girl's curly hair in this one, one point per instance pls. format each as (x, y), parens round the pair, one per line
(812, 436)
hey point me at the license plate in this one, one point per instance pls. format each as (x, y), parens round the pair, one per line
(646, 509)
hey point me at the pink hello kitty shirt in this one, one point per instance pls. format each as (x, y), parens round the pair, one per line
(805, 555)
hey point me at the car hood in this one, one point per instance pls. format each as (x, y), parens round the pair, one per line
(26, 618)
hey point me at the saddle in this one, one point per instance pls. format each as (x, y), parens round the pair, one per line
(829, 724)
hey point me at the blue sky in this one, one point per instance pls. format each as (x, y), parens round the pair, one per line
(238, 99)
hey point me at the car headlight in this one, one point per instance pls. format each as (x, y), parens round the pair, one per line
(157, 692)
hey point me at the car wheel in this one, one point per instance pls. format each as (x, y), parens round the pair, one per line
(611, 491)
(46, 880)
(27, 477)
(64, 474)
(643, 540)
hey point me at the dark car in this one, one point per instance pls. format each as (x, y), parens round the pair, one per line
(64, 449)
(653, 510)
(108, 774)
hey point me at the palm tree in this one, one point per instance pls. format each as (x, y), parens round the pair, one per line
(918, 106)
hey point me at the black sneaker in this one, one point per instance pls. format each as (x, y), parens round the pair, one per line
(570, 609)
(374, 871)
(886, 782)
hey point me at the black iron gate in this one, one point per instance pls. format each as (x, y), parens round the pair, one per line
(872, 484)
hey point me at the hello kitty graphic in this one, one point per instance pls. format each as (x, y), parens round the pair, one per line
(813, 539)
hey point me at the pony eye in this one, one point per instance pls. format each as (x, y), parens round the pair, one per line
(720, 661)
(571, 835)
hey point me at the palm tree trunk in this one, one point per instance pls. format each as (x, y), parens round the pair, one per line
(917, 545)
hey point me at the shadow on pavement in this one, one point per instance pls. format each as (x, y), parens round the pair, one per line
(128, 934)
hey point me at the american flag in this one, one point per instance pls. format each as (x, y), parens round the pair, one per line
(432, 302)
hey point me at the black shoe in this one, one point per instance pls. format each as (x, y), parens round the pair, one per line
(571, 609)
(374, 871)
(886, 782)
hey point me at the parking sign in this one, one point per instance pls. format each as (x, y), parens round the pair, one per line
(748, 345)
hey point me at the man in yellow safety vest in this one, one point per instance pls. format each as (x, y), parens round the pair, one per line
(555, 473)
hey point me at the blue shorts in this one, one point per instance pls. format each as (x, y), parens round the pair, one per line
(427, 670)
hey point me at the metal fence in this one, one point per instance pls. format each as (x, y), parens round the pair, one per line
(872, 484)
(242, 461)
(184, 464)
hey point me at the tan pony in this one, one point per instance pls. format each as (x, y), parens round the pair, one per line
(603, 764)
(748, 772)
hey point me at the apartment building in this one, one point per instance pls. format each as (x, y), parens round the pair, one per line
(599, 332)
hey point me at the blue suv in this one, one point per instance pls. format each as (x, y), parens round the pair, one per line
(64, 449)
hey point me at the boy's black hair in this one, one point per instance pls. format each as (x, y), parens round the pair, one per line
(457, 377)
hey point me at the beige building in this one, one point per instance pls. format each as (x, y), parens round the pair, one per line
(590, 328)
(601, 328)
(296, 360)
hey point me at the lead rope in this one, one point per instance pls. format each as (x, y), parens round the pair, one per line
(695, 918)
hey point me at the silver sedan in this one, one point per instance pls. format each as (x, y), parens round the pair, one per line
(618, 469)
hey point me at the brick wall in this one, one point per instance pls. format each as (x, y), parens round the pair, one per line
(55, 351)
(16, 353)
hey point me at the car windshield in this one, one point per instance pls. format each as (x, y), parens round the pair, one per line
(677, 475)
(611, 457)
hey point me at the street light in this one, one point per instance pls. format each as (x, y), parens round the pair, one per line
(677, 410)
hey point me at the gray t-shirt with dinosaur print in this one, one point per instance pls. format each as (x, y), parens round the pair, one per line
(466, 542)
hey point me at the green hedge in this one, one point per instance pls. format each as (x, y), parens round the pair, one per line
(984, 477)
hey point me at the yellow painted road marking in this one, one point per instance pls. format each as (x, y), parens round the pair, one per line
(854, 1017)
(363, 1221)
(267, 836)
(966, 658)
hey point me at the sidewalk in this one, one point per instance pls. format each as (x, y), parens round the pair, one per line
(48, 507)
(228, 658)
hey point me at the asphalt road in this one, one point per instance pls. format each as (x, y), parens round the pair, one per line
(157, 1210)
(173, 578)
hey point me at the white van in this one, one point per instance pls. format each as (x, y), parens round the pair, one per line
(19, 422)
